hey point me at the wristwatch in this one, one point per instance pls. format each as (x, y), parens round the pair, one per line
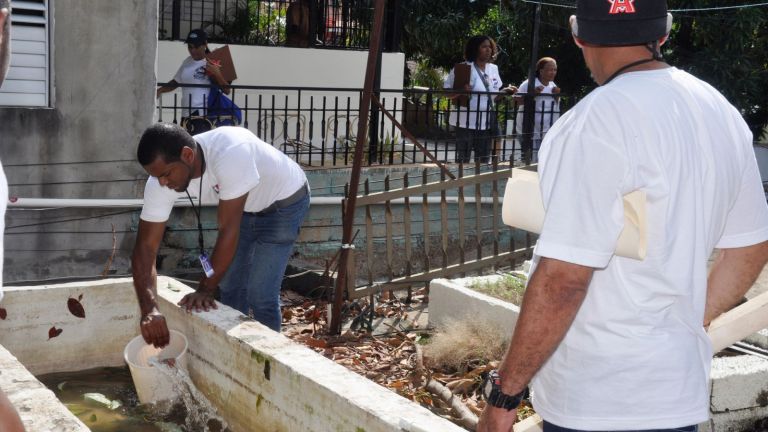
(495, 397)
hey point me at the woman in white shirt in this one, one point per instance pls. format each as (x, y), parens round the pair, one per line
(196, 69)
(476, 122)
(547, 107)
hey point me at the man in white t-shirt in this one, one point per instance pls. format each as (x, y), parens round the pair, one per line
(9, 418)
(613, 343)
(262, 197)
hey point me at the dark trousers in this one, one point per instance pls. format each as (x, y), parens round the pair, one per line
(478, 140)
(549, 427)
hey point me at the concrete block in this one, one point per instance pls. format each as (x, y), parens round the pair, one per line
(38, 407)
(256, 378)
(451, 300)
(738, 421)
(759, 339)
(738, 383)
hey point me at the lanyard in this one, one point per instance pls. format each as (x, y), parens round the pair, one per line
(199, 208)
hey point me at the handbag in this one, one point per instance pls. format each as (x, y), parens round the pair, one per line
(222, 111)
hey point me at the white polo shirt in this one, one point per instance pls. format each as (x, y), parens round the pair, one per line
(236, 162)
(637, 355)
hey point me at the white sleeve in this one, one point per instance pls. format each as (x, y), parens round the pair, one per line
(747, 221)
(583, 177)
(177, 76)
(523, 87)
(496, 87)
(158, 201)
(236, 171)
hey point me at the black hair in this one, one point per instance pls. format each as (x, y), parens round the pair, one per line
(165, 140)
(473, 46)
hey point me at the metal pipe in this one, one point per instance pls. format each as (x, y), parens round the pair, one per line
(15, 202)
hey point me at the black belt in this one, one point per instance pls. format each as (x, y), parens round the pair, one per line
(285, 202)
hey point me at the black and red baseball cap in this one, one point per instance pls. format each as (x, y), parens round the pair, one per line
(621, 22)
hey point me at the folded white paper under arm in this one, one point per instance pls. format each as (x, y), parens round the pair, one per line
(523, 208)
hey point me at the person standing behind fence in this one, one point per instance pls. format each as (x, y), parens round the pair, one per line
(547, 108)
(476, 123)
(196, 69)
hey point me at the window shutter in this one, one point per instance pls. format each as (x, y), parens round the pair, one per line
(28, 79)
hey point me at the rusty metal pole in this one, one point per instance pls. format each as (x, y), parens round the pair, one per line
(371, 71)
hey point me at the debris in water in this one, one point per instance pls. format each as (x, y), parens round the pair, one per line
(101, 400)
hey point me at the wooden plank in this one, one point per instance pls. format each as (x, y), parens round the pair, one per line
(407, 230)
(399, 283)
(389, 233)
(443, 224)
(368, 237)
(426, 188)
(425, 219)
(462, 233)
(478, 216)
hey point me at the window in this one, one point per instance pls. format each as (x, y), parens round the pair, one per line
(28, 80)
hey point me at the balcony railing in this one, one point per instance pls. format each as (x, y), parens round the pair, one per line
(336, 24)
(318, 126)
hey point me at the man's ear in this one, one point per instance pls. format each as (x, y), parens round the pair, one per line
(187, 155)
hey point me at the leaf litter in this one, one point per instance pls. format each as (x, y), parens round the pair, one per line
(413, 362)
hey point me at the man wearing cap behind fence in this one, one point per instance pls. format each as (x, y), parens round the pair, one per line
(614, 343)
(262, 198)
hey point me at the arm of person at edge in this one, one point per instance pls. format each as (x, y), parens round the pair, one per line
(732, 274)
(214, 71)
(154, 329)
(230, 213)
(171, 86)
(553, 296)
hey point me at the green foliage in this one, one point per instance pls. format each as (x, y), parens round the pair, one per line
(427, 76)
(511, 288)
(251, 22)
(727, 48)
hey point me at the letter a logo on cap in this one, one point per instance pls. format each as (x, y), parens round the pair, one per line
(621, 6)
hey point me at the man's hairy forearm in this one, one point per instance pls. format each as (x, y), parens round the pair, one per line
(731, 276)
(554, 295)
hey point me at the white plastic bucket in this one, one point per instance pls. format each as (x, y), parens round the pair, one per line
(152, 385)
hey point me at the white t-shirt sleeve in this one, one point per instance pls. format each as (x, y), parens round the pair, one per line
(177, 77)
(496, 84)
(747, 222)
(236, 171)
(158, 201)
(583, 177)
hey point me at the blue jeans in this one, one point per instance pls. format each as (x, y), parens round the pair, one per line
(253, 280)
(549, 427)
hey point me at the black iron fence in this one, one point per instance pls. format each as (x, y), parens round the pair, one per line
(317, 126)
(336, 24)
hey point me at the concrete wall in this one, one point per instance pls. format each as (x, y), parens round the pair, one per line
(102, 62)
(257, 379)
(104, 59)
